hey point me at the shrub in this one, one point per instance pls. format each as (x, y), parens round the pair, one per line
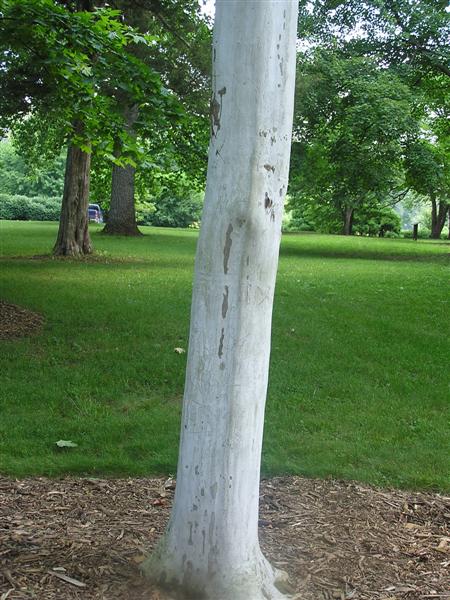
(423, 233)
(144, 212)
(376, 221)
(176, 211)
(296, 220)
(13, 208)
(23, 208)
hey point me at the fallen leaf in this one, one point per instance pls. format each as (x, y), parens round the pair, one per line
(169, 484)
(179, 350)
(443, 545)
(66, 444)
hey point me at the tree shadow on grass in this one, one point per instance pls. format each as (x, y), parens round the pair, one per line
(363, 254)
(102, 259)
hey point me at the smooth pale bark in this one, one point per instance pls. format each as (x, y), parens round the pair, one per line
(73, 234)
(122, 212)
(211, 549)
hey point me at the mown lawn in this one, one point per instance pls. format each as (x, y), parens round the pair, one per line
(359, 382)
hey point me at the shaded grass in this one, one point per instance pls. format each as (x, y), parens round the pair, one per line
(359, 382)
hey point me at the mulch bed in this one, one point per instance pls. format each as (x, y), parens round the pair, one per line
(338, 540)
(16, 321)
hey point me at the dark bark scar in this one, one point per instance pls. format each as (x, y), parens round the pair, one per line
(227, 248)
(222, 335)
(269, 207)
(215, 111)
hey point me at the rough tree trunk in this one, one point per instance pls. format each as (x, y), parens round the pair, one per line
(122, 213)
(73, 235)
(211, 549)
(438, 215)
(348, 221)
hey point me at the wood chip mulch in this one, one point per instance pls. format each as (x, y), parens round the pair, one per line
(85, 538)
(16, 321)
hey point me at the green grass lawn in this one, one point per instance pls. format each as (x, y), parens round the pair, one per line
(359, 384)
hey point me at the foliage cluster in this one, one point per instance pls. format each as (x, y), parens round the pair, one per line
(64, 66)
(172, 211)
(22, 178)
(164, 198)
(26, 208)
(370, 219)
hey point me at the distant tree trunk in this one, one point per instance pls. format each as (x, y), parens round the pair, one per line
(73, 235)
(122, 213)
(449, 222)
(348, 221)
(438, 215)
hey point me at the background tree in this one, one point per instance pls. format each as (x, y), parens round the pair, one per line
(179, 57)
(405, 38)
(58, 66)
(428, 173)
(350, 121)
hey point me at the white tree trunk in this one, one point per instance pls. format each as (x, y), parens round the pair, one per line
(211, 548)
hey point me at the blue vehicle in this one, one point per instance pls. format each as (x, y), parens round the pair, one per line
(95, 213)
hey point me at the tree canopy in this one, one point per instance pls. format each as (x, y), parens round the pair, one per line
(350, 120)
(67, 66)
(372, 95)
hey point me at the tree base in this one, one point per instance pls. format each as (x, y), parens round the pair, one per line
(127, 230)
(255, 581)
(72, 250)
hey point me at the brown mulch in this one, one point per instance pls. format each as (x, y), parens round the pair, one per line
(16, 321)
(85, 538)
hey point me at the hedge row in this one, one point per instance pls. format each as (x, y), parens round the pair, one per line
(22, 208)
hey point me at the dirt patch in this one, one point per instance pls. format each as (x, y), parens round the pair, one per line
(16, 321)
(337, 540)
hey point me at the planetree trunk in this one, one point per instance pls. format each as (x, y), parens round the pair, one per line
(211, 549)
(348, 221)
(122, 213)
(73, 234)
(438, 215)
